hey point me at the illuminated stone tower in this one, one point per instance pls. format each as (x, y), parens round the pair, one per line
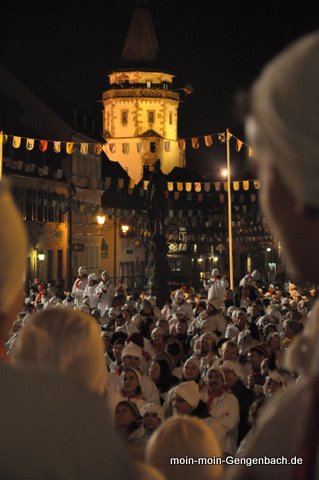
(140, 115)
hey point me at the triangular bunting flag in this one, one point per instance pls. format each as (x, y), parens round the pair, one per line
(107, 183)
(57, 147)
(97, 149)
(16, 142)
(29, 143)
(126, 148)
(43, 145)
(139, 147)
(167, 145)
(195, 142)
(84, 148)
(208, 140)
(182, 144)
(69, 147)
(238, 145)
(131, 184)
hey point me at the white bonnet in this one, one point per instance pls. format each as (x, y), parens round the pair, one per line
(285, 106)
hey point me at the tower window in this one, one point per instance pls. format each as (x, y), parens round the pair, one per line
(170, 118)
(150, 116)
(152, 147)
(124, 117)
(148, 84)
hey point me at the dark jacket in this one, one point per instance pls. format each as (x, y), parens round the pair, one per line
(245, 398)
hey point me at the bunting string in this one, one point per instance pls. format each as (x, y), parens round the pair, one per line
(111, 147)
(55, 145)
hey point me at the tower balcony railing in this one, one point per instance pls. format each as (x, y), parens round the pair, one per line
(140, 92)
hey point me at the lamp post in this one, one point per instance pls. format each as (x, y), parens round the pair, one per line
(230, 235)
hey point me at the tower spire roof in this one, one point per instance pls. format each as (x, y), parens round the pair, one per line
(141, 44)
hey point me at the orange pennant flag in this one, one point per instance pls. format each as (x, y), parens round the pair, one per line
(69, 147)
(43, 145)
(97, 149)
(238, 145)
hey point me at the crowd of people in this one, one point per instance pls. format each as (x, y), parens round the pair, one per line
(101, 384)
(218, 359)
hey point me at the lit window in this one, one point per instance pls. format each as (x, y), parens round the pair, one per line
(150, 116)
(148, 84)
(124, 117)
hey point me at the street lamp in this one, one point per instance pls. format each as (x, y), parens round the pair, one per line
(41, 256)
(125, 229)
(100, 219)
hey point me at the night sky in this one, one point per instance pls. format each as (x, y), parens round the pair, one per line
(64, 50)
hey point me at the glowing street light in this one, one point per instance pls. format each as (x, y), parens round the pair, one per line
(100, 219)
(125, 228)
(224, 173)
(41, 256)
